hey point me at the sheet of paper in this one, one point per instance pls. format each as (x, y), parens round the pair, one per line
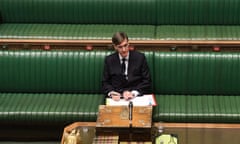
(145, 100)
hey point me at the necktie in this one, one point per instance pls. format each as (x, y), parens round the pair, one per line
(123, 66)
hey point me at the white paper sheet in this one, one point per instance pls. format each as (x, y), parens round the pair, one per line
(145, 100)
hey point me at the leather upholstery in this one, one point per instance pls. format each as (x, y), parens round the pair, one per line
(197, 12)
(74, 31)
(141, 19)
(51, 72)
(150, 12)
(64, 86)
(196, 87)
(197, 73)
(197, 108)
(48, 108)
(198, 32)
(51, 86)
(79, 11)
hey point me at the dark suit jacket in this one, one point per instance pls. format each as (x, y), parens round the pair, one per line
(138, 74)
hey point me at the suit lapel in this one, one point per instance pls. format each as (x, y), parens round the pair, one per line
(130, 65)
(116, 61)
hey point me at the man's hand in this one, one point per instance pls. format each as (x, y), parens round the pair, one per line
(115, 95)
(127, 95)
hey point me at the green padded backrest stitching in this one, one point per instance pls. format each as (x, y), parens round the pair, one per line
(150, 61)
(79, 11)
(53, 71)
(197, 73)
(198, 12)
(151, 12)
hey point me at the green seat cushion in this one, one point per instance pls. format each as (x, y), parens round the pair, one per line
(48, 108)
(198, 32)
(73, 31)
(197, 108)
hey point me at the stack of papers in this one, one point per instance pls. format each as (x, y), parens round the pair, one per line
(145, 100)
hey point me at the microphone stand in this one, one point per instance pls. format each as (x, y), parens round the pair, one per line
(130, 107)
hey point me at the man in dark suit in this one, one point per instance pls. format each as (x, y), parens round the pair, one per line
(126, 73)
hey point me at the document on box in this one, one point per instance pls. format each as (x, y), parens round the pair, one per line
(145, 100)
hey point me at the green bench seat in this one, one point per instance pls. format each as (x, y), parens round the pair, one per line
(105, 32)
(62, 86)
(142, 20)
(43, 91)
(197, 108)
(40, 109)
(197, 87)
(59, 76)
(198, 32)
(46, 86)
(73, 31)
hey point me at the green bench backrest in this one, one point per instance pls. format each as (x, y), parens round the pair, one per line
(153, 12)
(187, 73)
(79, 11)
(53, 71)
(196, 73)
(201, 12)
(49, 71)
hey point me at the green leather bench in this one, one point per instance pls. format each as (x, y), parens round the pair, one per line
(43, 91)
(142, 20)
(65, 86)
(58, 87)
(197, 87)
(51, 89)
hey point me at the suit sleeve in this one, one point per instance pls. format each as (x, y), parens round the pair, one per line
(144, 86)
(106, 85)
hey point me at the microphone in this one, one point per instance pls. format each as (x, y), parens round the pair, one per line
(130, 107)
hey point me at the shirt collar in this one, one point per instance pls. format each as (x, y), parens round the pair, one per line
(120, 57)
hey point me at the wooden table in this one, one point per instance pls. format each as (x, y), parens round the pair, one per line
(187, 133)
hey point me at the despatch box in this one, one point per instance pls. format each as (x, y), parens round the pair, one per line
(115, 119)
(118, 116)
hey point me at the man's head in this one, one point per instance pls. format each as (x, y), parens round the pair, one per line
(120, 43)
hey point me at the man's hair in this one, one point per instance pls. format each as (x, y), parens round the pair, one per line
(119, 37)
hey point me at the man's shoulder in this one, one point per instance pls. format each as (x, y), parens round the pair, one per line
(111, 56)
(137, 53)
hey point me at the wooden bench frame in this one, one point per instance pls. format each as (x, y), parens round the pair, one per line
(135, 42)
(161, 45)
